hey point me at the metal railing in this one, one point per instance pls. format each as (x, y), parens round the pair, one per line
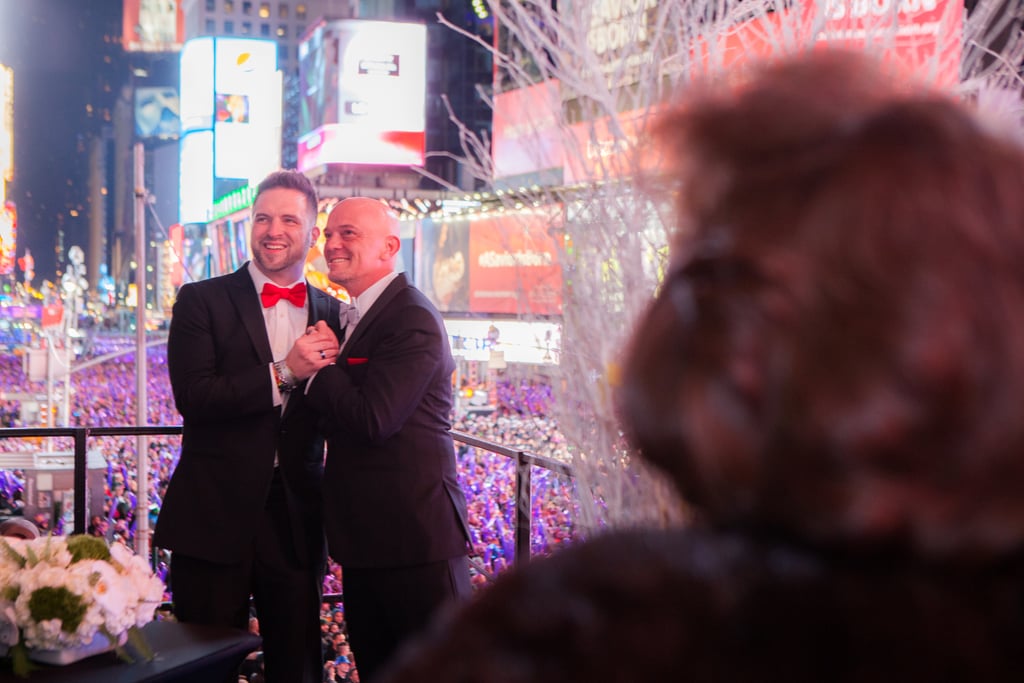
(524, 460)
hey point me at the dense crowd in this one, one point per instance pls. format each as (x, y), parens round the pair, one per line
(104, 395)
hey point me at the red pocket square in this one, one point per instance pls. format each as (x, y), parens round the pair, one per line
(357, 361)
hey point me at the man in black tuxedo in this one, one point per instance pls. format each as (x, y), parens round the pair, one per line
(242, 513)
(394, 513)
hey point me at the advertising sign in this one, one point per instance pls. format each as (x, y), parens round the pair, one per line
(605, 149)
(8, 236)
(230, 118)
(442, 262)
(176, 237)
(526, 137)
(511, 341)
(513, 266)
(500, 263)
(364, 94)
(6, 127)
(157, 113)
(247, 111)
(920, 37)
(153, 25)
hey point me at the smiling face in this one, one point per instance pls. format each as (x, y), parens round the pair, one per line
(361, 243)
(283, 230)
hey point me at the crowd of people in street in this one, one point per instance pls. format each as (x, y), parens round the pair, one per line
(104, 396)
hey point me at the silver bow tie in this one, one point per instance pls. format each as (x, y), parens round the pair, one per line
(348, 316)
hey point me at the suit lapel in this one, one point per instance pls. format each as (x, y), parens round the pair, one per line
(319, 309)
(243, 295)
(366, 320)
(317, 305)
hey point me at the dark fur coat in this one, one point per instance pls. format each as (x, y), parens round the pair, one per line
(697, 605)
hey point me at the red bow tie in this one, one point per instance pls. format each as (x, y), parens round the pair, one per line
(271, 294)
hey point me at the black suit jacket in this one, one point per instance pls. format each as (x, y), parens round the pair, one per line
(218, 354)
(391, 495)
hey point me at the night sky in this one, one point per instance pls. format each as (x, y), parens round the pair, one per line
(57, 49)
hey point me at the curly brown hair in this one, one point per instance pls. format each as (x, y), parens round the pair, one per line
(837, 352)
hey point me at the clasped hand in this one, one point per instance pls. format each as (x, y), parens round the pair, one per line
(317, 348)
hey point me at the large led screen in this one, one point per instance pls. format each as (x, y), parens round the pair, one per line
(442, 262)
(195, 185)
(502, 263)
(513, 266)
(157, 113)
(8, 236)
(153, 25)
(6, 127)
(364, 89)
(229, 241)
(526, 134)
(921, 39)
(197, 79)
(247, 108)
(230, 118)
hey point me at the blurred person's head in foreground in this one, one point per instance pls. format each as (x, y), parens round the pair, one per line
(837, 352)
(832, 373)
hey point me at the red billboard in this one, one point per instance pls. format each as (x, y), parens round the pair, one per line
(8, 236)
(52, 315)
(513, 265)
(176, 236)
(605, 149)
(153, 25)
(499, 263)
(526, 135)
(920, 37)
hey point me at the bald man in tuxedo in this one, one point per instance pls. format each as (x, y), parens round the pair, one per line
(394, 513)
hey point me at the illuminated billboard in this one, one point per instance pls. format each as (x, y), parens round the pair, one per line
(6, 128)
(8, 237)
(513, 266)
(157, 113)
(230, 119)
(153, 25)
(176, 239)
(228, 239)
(921, 39)
(526, 135)
(518, 341)
(500, 263)
(363, 94)
(8, 213)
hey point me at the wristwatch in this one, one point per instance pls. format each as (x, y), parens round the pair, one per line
(283, 375)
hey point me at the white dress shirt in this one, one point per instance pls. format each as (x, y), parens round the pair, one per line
(363, 302)
(285, 321)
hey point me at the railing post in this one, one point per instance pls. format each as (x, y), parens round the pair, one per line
(81, 480)
(524, 511)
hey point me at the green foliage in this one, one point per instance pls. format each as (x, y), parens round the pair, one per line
(50, 602)
(20, 662)
(138, 645)
(12, 554)
(84, 547)
(10, 592)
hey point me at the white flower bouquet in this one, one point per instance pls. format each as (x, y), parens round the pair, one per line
(62, 594)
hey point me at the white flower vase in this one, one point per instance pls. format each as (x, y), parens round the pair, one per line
(98, 645)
